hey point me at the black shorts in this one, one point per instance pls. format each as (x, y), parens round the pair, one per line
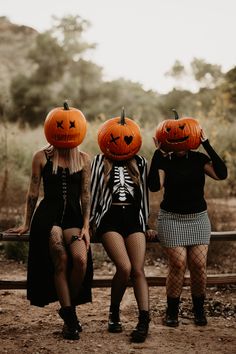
(123, 219)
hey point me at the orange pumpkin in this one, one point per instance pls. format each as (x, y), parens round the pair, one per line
(65, 127)
(119, 138)
(179, 134)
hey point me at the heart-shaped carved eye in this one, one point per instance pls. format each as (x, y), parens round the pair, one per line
(128, 139)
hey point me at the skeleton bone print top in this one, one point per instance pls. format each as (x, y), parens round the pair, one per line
(123, 187)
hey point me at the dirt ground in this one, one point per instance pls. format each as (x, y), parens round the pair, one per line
(27, 329)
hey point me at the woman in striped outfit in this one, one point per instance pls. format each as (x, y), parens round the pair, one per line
(119, 213)
(183, 225)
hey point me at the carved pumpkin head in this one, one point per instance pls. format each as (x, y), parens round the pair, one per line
(65, 127)
(179, 134)
(119, 138)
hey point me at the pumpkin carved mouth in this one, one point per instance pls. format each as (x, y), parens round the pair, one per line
(175, 141)
(65, 137)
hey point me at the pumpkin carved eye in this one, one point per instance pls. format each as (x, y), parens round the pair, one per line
(128, 139)
(72, 124)
(168, 129)
(59, 124)
(113, 139)
(182, 127)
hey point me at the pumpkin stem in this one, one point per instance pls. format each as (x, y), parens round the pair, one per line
(122, 116)
(176, 114)
(66, 106)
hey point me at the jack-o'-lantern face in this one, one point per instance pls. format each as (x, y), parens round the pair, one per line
(179, 134)
(119, 138)
(65, 127)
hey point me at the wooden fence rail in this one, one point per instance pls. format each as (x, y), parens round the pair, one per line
(104, 282)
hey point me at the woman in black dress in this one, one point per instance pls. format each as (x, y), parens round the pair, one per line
(183, 225)
(59, 262)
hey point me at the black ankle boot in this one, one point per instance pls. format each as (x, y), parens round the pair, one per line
(172, 312)
(198, 310)
(114, 323)
(70, 328)
(140, 333)
(79, 326)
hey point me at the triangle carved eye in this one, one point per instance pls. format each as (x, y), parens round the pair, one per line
(128, 139)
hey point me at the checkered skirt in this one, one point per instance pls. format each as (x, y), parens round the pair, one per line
(183, 229)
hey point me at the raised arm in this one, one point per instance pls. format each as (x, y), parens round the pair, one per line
(156, 175)
(216, 168)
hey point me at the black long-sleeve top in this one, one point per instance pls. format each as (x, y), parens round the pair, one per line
(184, 179)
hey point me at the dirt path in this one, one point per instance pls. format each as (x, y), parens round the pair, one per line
(27, 329)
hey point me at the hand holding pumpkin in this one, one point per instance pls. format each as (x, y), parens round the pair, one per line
(203, 135)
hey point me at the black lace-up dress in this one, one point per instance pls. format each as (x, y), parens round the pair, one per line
(60, 206)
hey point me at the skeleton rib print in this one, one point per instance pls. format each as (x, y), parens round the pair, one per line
(123, 184)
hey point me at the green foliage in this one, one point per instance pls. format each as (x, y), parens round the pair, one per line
(17, 251)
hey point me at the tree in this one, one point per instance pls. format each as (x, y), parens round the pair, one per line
(209, 75)
(59, 72)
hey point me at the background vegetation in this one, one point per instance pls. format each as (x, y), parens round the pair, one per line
(39, 71)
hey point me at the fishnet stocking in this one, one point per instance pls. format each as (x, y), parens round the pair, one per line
(59, 258)
(197, 259)
(67, 290)
(177, 259)
(128, 256)
(78, 253)
(136, 247)
(116, 250)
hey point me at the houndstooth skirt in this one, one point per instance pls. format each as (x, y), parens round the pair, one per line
(183, 229)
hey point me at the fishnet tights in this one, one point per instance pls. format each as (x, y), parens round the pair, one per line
(128, 255)
(197, 260)
(179, 257)
(67, 286)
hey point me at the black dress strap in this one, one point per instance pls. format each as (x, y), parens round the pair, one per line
(48, 158)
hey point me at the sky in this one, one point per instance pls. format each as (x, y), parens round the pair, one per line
(140, 40)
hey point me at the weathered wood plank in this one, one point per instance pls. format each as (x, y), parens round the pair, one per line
(212, 280)
(215, 236)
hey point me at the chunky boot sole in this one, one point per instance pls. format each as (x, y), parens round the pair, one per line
(171, 321)
(138, 336)
(200, 321)
(114, 327)
(70, 333)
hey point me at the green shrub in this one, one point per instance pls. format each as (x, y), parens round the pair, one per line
(17, 251)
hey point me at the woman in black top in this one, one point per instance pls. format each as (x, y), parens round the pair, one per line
(183, 224)
(59, 262)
